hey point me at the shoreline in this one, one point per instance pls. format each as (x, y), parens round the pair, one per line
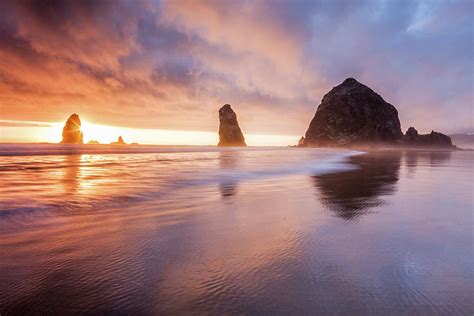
(369, 148)
(42, 149)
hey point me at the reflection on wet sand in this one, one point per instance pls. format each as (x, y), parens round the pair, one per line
(92, 176)
(228, 161)
(432, 158)
(152, 234)
(72, 164)
(353, 193)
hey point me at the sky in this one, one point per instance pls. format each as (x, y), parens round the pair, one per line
(158, 71)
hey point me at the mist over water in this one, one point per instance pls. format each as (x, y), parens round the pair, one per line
(256, 230)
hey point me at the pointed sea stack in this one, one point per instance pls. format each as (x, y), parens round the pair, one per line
(72, 133)
(119, 141)
(352, 113)
(229, 130)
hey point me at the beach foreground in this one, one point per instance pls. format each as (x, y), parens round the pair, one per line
(256, 230)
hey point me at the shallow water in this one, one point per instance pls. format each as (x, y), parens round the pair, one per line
(258, 230)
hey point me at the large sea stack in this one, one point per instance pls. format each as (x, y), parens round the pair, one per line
(229, 130)
(351, 114)
(72, 133)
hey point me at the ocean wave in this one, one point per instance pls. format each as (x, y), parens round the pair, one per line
(77, 149)
(142, 182)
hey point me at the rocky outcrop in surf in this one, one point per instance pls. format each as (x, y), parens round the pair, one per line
(352, 113)
(434, 139)
(229, 130)
(72, 133)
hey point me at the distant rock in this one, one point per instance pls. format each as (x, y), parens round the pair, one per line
(93, 142)
(229, 130)
(119, 141)
(434, 139)
(72, 133)
(352, 113)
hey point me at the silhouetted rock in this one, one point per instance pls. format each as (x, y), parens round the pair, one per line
(352, 113)
(93, 142)
(229, 130)
(434, 139)
(411, 134)
(119, 141)
(72, 133)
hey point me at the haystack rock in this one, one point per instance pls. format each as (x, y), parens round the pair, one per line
(72, 133)
(434, 139)
(229, 130)
(352, 113)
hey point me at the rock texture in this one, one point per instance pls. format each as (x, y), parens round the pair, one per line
(229, 130)
(352, 113)
(434, 139)
(72, 133)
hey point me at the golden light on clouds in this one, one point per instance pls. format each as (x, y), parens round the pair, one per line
(168, 66)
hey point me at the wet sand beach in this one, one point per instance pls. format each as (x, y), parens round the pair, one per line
(203, 230)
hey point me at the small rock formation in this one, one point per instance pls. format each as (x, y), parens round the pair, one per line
(434, 139)
(411, 134)
(93, 142)
(229, 130)
(119, 141)
(72, 133)
(352, 113)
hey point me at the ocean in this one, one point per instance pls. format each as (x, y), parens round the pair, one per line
(257, 230)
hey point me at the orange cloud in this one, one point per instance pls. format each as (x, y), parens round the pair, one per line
(172, 64)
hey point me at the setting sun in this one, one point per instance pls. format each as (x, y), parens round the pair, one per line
(101, 133)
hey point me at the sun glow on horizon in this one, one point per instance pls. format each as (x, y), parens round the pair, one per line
(22, 131)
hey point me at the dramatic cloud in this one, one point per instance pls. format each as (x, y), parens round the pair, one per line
(172, 64)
